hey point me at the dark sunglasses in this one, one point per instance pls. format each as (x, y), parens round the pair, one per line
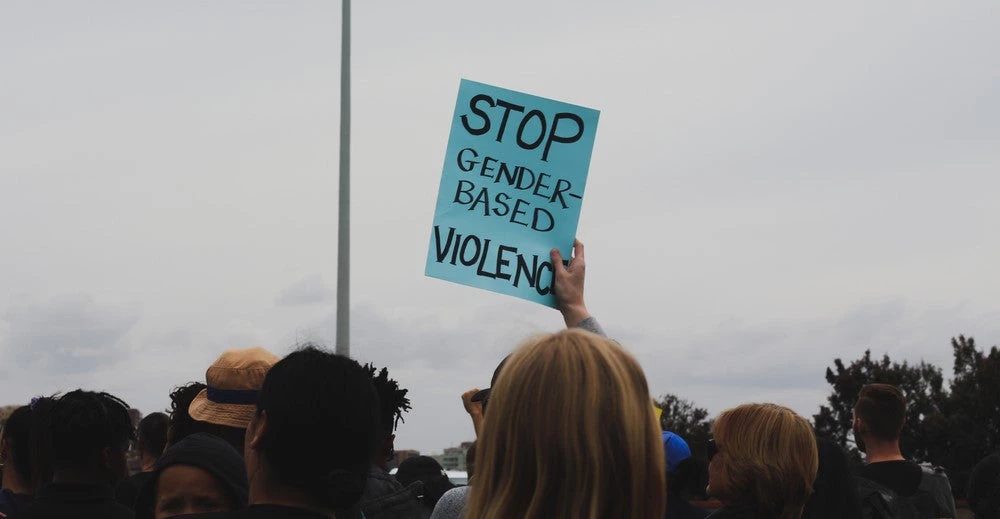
(712, 449)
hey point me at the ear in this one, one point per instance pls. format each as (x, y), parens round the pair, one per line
(4, 451)
(256, 431)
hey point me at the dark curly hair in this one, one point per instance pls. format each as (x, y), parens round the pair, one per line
(181, 423)
(84, 422)
(392, 400)
(321, 416)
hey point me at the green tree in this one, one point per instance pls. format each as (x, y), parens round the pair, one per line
(921, 383)
(685, 419)
(953, 428)
(972, 410)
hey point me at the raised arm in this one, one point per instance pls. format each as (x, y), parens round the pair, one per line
(568, 287)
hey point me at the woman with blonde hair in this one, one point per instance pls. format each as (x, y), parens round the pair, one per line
(570, 432)
(763, 462)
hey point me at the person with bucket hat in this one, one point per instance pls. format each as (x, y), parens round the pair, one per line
(228, 403)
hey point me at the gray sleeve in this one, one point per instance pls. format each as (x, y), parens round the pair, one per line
(941, 490)
(591, 325)
(451, 505)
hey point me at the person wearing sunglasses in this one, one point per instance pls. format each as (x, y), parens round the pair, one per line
(763, 463)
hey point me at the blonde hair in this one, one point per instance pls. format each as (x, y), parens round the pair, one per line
(767, 455)
(570, 432)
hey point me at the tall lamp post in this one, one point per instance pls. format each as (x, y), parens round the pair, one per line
(343, 345)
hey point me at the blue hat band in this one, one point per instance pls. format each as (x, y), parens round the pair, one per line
(232, 396)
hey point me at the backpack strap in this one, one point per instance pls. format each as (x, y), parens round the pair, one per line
(935, 482)
(876, 499)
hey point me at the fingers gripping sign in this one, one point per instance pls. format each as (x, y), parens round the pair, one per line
(568, 284)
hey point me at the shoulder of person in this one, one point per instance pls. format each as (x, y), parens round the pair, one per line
(452, 504)
(457, 494)
(867, 486)
(402, 503)
(934, 477)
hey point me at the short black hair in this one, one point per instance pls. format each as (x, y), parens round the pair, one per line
(82, 423)
(181, 423)
(41, 441)
(392, 400)
(882, 408)
(152, 434)
(322, 414)
(17, 434)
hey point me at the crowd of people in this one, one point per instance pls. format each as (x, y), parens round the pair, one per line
(567, 428)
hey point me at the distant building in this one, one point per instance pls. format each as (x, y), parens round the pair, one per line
(453, 458)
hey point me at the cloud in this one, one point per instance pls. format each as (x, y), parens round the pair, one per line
(309, 290)
(66, 333)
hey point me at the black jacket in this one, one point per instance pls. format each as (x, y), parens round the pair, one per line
(72, 501)
(678, 508)
(931, 498)
(984, 488)
(741, 511)
(386, 498)
(11, 502)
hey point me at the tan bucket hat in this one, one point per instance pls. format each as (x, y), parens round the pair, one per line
(234, 380)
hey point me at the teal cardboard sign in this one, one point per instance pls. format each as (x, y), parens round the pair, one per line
(511, 190)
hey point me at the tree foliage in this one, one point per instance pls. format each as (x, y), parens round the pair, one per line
(921, 383)
(972, 409)
(683, 418)
(953, 428)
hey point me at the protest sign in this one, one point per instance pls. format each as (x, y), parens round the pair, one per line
(511, 190)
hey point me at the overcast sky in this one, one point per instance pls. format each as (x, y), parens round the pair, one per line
(774, 184)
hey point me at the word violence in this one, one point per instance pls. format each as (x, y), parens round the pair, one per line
(500, 262)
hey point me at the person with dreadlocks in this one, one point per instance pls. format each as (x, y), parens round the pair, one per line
(384, 496)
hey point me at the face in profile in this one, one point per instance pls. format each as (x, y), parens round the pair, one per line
(184, 489)
(714, 467)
